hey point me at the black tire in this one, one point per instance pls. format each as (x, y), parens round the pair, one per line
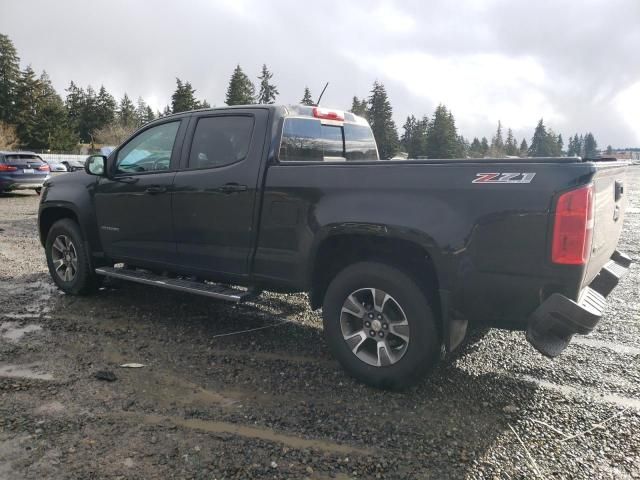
(84, 280)
(423, 348)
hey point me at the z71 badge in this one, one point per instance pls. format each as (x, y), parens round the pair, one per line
(504, 177)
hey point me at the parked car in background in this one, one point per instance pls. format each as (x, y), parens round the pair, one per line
(73, 164)
(22, 171)
(56, 166)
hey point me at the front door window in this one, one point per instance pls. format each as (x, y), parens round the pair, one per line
(150, 151)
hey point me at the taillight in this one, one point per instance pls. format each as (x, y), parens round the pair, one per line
(44, 168)
(7, 168)
(573, 227)
(327, 114)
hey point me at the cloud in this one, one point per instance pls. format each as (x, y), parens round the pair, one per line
(473, 84)
(573, 62)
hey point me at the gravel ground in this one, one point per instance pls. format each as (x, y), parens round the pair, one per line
(273, 404)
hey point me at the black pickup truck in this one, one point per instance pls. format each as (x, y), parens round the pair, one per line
(402, 256)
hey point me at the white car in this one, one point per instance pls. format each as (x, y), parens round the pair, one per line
(56, 166)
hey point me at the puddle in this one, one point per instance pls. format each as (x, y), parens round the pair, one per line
(23, 371)
(20, 316)
(13, 332)
(614, 346)
(211, 426)
(51, 408)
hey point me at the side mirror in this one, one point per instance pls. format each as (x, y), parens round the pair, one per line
(96, 165)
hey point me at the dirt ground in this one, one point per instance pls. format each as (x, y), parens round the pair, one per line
(272, 403)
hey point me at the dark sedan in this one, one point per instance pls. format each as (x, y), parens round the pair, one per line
(22, 171)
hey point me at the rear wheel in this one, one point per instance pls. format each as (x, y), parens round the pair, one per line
(379, 325)
(68, 259)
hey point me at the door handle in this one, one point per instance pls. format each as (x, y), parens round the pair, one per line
(155, 189)
(232, 188)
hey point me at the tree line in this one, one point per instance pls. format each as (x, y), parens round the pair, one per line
(33, 115)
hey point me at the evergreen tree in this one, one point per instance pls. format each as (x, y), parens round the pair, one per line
(26, 106)
(497, 143)
(475, 149)
(581, 146)
(442, 137)
(414, 137)
(590, 146)
(166, 112)
(142, 112)
(9, 77)
(51, 130)
(544, 143)
(306, 98)
(183, 99)
(127, 112)
(74, 104)
(484, 144)
(560, 144)
(359, 107)
(89, 117)
(609, 150)
(524, 148)
(511, 145)
(462, 148)
(240, 91)
(268, 91)
(574, 148)
(570, 148)
(41, 118)
(538, 146)
(204, 104)
(380, 116)
(105, 108)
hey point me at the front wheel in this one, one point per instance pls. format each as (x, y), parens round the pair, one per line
(379, 325)
(68, 259)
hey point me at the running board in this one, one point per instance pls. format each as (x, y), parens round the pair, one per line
(219, 292)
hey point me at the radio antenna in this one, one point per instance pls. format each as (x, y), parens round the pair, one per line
(322, 93)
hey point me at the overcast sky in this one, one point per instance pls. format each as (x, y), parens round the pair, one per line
(574, 62)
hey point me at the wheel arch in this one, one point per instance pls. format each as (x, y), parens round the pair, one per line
(337, 251)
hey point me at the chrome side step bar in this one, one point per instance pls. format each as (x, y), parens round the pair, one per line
(219, 292)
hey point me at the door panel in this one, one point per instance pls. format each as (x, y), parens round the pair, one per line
(133, 207)
(214, 199)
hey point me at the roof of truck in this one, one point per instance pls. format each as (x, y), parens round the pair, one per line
(286, 110)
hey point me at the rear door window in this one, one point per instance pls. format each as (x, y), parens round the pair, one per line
(220, 141)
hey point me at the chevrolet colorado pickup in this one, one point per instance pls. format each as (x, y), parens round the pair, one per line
(402, 256)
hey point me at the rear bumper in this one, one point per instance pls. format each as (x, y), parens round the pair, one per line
(552, 325)
(8, 184)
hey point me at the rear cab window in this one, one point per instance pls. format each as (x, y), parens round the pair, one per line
(306, 139)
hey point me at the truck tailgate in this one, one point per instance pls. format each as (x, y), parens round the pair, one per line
(610, 201)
